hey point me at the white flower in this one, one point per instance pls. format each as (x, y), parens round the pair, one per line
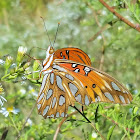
(2, 100)
(6, 112)
(94, 135)
(22, 50)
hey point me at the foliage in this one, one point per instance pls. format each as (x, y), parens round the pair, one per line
(118, 45)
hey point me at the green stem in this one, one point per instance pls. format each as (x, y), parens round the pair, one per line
(5, 76)
(11, 118)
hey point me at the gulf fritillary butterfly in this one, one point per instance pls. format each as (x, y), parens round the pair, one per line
(69, 78)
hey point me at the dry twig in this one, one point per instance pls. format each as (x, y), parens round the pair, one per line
(119, 16)
(25, 122)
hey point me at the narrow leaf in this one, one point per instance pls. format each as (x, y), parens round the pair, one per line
(110, 132)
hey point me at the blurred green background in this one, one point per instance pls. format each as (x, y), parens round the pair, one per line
(117, 47)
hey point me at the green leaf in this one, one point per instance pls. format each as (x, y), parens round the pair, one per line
(110, 132)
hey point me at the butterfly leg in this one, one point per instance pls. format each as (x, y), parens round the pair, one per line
(83, 110)
(81, 113)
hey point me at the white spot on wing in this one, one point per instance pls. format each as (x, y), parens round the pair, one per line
(87, 70)
(73, 88)
(40, 98)
(74, 65)
(54, 101)
(69, 77)
(122, 99)
(76, 70)
(45, 110)
(52, 78)
(59, 82)
(115, 86)
(49, 94)
(109, 96)
(61, 100)
(86, 100)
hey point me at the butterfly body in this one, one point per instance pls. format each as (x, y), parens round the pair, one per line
(69, 78)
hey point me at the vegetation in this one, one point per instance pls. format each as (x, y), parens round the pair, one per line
(112, 43)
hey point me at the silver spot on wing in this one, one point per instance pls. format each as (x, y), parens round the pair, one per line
(69, 77)
(122, 98)
(45, 110)
(40, 98)
(52, 116)
(62, 114)
(38, 106)
(109, 96)
(57, 114)
(49, 94)
(86, 100)
(59, 82)
(78, 98)
(59, 68)
(43, 83)
(61, 100)
(53, 102)
(115, 86)
(73, 89)
(52, 78)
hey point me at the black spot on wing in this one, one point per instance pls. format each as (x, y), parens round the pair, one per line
(67, 52)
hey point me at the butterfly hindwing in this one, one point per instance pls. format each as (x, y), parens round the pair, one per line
(98, 85)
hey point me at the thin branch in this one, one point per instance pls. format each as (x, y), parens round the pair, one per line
(25, 122)
(128, 129)
(99, 32)
(119, 16)
(59, 126)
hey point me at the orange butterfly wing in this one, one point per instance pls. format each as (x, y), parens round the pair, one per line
(99, 85)
(72, 82)
(73, 54)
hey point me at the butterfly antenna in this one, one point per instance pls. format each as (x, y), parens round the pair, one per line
(46, 30)
(56, 33)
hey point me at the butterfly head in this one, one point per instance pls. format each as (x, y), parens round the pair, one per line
(49, 58)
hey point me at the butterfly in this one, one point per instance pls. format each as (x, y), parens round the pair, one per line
(68, 77)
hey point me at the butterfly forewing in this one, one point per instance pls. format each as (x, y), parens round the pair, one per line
(73, 54)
